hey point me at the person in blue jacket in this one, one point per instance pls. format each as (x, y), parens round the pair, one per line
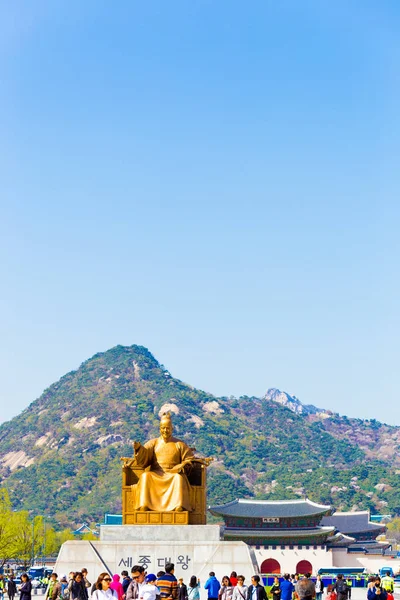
(376, 591)
(212, 586)
(287, 588)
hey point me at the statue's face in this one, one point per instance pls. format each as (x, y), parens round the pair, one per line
(166, 429)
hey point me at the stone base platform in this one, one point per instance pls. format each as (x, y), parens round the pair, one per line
(166, 533)
(194, 549)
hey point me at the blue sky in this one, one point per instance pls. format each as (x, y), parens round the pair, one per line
(215, 180)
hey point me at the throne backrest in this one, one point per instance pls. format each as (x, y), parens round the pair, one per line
(196, 474)
(131, 475)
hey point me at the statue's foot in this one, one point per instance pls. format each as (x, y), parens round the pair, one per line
(179, 509)
(143, 508)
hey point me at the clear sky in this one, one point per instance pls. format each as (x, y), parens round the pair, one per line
(216, 180)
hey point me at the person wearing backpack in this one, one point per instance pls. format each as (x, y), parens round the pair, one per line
(341, 588)
(65, 592)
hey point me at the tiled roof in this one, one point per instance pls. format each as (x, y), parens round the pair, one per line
(352, 522)
(369, 546)
(82, 529)
(374, 549)
(340, 540)
(275, 533)
(266, 508)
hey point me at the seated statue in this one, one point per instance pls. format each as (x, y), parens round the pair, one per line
(164, 486)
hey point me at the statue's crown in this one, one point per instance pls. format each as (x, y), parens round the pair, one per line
(166, 416)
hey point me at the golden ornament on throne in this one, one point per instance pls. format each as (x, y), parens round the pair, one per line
(164, 476)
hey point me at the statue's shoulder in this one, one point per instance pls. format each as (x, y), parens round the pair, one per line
(177, 441)
(151, 443)
(183, 447)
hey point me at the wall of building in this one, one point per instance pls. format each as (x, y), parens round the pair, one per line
(319, 558)
(370, 562)
(322, 559)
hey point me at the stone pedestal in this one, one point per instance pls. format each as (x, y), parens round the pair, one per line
(194, 549)
(145, 533)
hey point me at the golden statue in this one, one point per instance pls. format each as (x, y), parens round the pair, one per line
(165, 487)
(164, 477)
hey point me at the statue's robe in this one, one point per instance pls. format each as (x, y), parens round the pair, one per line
(158, 489)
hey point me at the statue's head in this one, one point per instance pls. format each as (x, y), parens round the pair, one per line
(166, 426)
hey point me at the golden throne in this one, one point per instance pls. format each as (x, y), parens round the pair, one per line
(196, 475)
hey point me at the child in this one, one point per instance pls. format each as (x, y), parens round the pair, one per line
(149, 590)
(331, 594)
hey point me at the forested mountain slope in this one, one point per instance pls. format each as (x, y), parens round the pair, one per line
(60, 456)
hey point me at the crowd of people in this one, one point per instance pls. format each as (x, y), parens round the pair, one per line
(140, 585)
(296, 587)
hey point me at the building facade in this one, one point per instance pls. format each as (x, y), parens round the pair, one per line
(300, 536)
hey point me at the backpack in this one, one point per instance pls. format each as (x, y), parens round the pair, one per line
(342, 587)
(65, 592)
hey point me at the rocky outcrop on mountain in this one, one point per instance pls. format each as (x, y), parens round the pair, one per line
(291, 402)
(60, 456)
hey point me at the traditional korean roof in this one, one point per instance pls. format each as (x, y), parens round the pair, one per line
(82, 529)
(340, 540)
(267, 508)
(353, 522)
(230, 532)
(372, 547)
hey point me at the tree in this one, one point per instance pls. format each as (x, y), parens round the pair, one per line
(393, 529)
(89, 536)
(64, 536)
(6, 527)
(28, 537)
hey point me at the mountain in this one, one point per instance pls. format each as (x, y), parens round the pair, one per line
(292, 403)
(60, 456)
